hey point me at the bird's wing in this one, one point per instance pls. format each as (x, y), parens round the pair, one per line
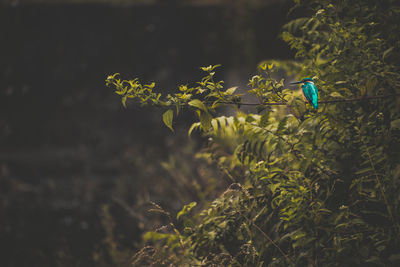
(307, 92)
(314, 92)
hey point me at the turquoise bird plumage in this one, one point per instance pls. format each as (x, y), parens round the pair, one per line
(310, 91)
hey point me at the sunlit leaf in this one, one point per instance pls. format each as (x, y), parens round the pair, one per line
(186, 209)
(198, 104)
(168, 117)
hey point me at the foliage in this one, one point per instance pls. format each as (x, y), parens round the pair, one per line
(317, 188)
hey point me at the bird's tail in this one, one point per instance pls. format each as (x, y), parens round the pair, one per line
(314, 103)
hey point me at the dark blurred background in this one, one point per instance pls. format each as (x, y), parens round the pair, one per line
(73, 163)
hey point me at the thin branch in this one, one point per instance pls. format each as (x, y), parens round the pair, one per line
(267, 237)
(319, 102)
(378, 181)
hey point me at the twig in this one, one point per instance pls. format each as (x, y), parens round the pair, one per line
(319, 102)
(378, 182)
(267, 237)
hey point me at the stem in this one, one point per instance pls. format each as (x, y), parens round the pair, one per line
(267, 237)
(215, 85)
(319, 102)
(277, 93)
(379, 183)
(273, 88)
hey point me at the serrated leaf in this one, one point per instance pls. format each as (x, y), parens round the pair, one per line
(205, 120)
(168, 117)
(264, 120)
(282, 124)
(214, 124)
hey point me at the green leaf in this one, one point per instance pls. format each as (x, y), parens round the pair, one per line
(154, 236)
(186, 209)
(273, 187)
(371, 84)
(168, 117)
(297, 105)
(124, 101)
(264, 120)
(231, 90)
(178, 108)
(216, 104)
(260, 108)
(110, 77)
(206, 68)
(395, 124)
(340, 82)
(194, 126)
(336, 94)
(387, 51)
(198, 104)
(205, 120)
(364, 171)
(151, 86)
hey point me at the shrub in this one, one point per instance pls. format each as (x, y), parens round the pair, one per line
(309, 187)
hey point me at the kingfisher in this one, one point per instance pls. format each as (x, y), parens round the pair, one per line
(310, 91)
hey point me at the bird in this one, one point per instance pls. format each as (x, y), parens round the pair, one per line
(310, 91)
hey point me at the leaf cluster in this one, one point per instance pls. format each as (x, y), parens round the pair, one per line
(309, 188)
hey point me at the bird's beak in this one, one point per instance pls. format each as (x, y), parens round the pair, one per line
(296, 82)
